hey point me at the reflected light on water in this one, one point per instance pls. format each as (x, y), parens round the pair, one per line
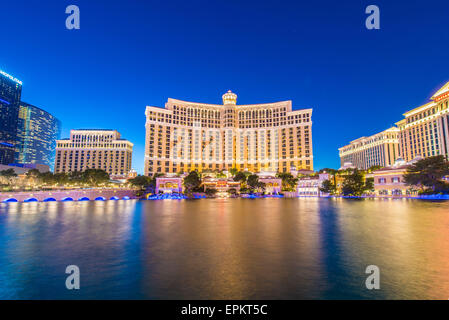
(225, 249)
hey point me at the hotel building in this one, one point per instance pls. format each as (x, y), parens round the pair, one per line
(94, 149)
(37, 132)
(10, 93)
(381, 149)
(189, 136)
(424, 130)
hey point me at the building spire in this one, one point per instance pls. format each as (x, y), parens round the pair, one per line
(229, 98)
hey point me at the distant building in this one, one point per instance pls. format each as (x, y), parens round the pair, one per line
(273, 185)
(220, 184)
(346, 166)
(94, 149)
(425, 130)
(188, 136)
(389, 181)
(21, 169)
(310, 186)
(169, 185)
(10, 93)
(132, 174)
(37, 132)
(381, 149)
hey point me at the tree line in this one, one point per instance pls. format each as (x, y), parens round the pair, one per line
(35, 178)
(427, 174)
(193, 182)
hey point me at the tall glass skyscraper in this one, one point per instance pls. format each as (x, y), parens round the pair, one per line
(37, 132)
(10, 93)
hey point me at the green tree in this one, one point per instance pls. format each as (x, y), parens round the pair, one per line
(354, 184)
(192, 182)
(233, 171)
(34, 176)
(374, 168)
(141, 182)
(328, 187)
(76, 177)
(33, 173)
(240, 176)
(47, 178)
(253, 181)
(328, 170)
(95, 177)
(428, 173)
(288, 181)
(220, 174)
(8, 175)
(60, 178)
(369, 184)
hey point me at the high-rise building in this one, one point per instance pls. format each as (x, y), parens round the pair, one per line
(10, 93)
(424, 131)
(37, 132)
(94, 149)
(189, 136)
(381, 149)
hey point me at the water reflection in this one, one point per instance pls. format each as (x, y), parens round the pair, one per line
(225, 248)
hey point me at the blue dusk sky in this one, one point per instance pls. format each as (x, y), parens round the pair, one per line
(134, 53)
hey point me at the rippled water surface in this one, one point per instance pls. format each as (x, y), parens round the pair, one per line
(225, 249)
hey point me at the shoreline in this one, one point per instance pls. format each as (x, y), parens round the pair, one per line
(72, 198)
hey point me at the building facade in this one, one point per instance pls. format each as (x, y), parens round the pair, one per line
(220, 184)
(10, 93)
(424, 130)
(273, 185)
(390, 182)
(37, 132)
(381, 149)
(189, 136)
(169, 185)
(310, 186)
(94, 149)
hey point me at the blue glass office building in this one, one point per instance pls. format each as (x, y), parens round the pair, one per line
(10, 93)
(37, 132)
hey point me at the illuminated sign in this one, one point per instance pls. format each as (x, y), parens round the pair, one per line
(10, 77)
(441, 97)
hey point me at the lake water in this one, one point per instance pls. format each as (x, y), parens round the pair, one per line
(225, 249)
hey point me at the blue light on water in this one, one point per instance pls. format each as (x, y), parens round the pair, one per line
(166, 196)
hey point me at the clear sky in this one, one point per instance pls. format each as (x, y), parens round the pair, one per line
(134, 53)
